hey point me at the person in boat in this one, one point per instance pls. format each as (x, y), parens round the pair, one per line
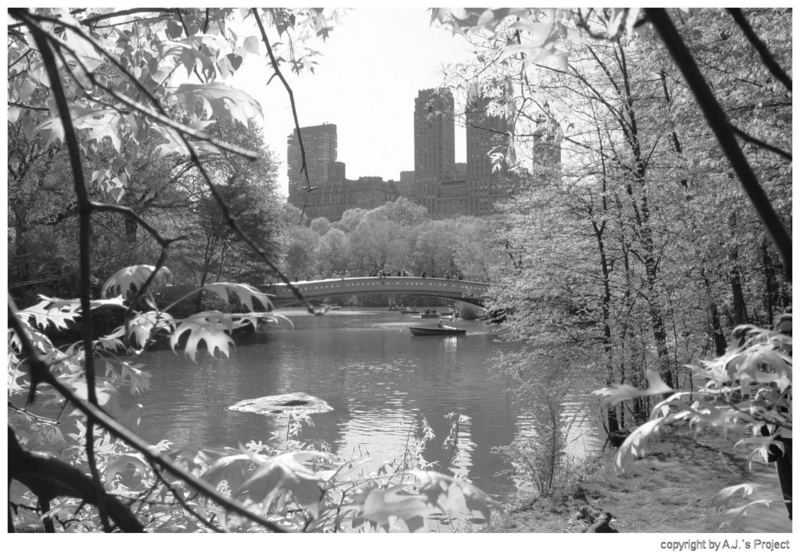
(441, 324)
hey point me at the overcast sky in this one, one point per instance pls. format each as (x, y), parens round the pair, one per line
(369, 73)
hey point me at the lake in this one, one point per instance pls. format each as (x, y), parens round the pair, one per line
(378, 378)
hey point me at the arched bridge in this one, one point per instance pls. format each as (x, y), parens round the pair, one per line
(459, 290)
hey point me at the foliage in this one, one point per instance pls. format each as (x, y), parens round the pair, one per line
(93, 94)
(746, 396)
(633, 244)
(540, 386)
(393, 237)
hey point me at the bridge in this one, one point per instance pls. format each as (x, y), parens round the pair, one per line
(458, 290)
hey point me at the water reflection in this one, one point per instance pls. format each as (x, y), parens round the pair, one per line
(378, 378)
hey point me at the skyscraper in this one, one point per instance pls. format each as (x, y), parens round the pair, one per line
(434, 133)
(434, 144)
(487, 142)
(319, 142)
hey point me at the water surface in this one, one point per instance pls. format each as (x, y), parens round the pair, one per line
(378, 378)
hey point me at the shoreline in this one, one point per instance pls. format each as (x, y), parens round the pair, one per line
(671, 490)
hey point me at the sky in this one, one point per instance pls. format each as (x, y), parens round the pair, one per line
(367, 78)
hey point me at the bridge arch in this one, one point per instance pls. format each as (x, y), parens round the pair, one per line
(457, 290)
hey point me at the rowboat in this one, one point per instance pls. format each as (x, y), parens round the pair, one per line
(436, 331)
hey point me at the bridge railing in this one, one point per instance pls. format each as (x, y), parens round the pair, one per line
(388, 284)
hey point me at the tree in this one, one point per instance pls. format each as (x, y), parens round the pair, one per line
(636, 250)
(299, 245)
(249, 192)
(104, 76)
(331, 253)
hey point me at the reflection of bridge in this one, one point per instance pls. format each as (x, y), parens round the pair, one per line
(459, 290)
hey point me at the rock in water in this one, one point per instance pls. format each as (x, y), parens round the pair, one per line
(295, 402)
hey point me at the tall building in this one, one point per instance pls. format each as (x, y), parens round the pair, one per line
(445, 188)
(332, 192)
(434, 143)
(487, 142)
(319, 142)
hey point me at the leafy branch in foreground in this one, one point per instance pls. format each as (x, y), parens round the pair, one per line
(747, 396)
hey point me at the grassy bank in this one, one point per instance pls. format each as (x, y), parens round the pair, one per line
(670, 490)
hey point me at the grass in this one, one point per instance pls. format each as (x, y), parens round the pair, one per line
(670, 490)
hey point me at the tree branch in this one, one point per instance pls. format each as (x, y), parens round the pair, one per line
(750, 139)
(766, 56)
(40, 373)
(84, 230)
(718, 121)
(48, 478)
(278, 72)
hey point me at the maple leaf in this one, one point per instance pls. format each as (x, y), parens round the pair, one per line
(220, 98)
(244, 292)
(46, 312)
(100, 124)
(240, 320)
(143, 325)
(131, 278)
(209, 327)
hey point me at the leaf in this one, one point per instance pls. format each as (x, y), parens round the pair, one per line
(209, 327)
(143, 325)
(220, 98)
(235, 60)
(46, 313)
(99, 124)
(131, 278)
(286, 474)
(174, 29)
(381, 504)
(252, 45)
(453, 495)
(246, 294)
(636, 444)
(122, 465)
(232, 468)
(615, 394)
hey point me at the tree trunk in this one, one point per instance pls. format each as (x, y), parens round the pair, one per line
(739, 307)
(770, 285)
(720, 344)
(131, 230)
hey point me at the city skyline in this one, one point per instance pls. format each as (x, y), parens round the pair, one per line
(369, 99)
(440, 184)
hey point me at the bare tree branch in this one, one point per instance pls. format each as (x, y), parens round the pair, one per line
(766, 56)
(750, 139)
(719, 123)
(277, 69)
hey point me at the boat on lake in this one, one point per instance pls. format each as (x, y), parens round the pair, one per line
(430, 314)
(441, 330)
